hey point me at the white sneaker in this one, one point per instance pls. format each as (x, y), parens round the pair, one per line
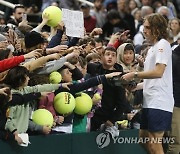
(113, 130)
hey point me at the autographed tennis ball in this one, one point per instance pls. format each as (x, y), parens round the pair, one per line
(54, 15)
(64, 103)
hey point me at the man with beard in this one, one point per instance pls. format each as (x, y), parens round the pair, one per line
(158, 101)
(18, 13)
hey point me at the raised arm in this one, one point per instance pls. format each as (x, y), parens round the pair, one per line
(16, 60)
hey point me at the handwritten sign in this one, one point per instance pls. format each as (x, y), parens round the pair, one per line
(74, 23)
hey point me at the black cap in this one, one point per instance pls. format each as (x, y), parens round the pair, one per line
(62, 68)
(84, 6)
(33, 38)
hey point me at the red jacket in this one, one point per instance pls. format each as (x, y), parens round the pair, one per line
(89, 24)
(10, 62)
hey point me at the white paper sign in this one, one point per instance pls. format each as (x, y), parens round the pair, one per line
(25, 139)
(74, 23)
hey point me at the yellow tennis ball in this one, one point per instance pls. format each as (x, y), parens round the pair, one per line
(55, 77)
(83, 104)
(43, 117)
(123, 123)
(64, 103)
(97, 96)
(54, 15)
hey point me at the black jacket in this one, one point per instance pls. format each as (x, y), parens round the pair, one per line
(109, 29)
(176, 75)
(113, 97)
(78, 87)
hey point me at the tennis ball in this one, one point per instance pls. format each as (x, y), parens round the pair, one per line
(54, 15)
(97, 96)
(64, 103)
(83, 103)
(43, 117)
(123, 123)
(55, 77)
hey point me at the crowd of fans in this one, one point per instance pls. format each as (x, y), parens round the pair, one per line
(114, 42)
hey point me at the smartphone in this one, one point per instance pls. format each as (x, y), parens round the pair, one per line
(24, 17)
(136, 56)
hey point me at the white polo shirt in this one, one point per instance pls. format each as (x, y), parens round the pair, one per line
(158, 93)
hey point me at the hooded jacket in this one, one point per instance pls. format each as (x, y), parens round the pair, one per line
(120, 57)
(120, 60)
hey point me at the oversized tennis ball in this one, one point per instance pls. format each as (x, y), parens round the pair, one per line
(83, 103)
(43, 117)
(64, 103)
(54, 15)
(55, 77)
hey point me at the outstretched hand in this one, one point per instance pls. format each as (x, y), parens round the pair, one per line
(33, 54)
(65, 85)
(4, 91)
(110, 75)
(124, 35)
(96, 31)
(128, 76)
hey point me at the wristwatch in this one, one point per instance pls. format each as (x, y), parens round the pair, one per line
(136, 75)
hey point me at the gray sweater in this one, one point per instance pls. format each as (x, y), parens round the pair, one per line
(19, 115)
(51, 66)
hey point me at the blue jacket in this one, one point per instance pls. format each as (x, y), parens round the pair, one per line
(56, 40)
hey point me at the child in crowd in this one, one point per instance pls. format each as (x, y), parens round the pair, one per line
(19, 115)
(113, 103)
(8, 100)
(126, 57)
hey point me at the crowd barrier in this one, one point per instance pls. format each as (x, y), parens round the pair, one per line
(77, 143)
